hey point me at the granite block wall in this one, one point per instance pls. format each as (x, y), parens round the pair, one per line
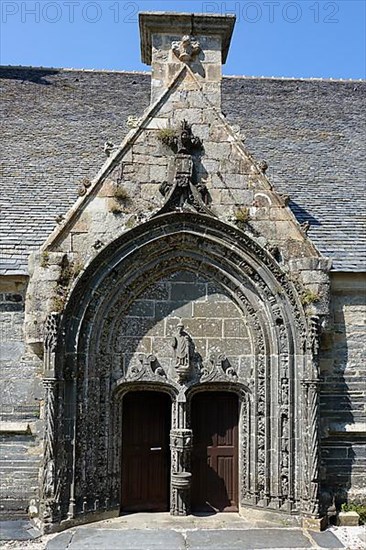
(343, 393)
(21, 395)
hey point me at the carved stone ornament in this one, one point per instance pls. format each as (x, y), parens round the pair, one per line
(181, 439)
(186, 49)
(184, 192)
(109, 147)
(149, 369)
(50, 333)
(218, 370)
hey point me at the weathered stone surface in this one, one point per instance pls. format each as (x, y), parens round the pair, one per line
(348, 519)
(343, 392)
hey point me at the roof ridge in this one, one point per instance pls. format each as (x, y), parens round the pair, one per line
(294, 78)
(122, 71)
(72, 69)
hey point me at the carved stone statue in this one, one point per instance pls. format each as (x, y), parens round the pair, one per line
(108, 148)
(187, 49)
(183, 351)
(184, 191)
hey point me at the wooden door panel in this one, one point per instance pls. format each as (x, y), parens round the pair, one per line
(215, 418)
(145, 452)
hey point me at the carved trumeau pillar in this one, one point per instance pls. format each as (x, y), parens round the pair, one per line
(172, 41)
(181, 441)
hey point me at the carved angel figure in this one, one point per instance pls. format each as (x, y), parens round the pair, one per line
(186, 49)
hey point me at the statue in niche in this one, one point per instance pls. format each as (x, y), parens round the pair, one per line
(186, 49)
(284, 393)
(183, 352)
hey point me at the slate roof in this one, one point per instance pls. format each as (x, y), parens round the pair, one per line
(55, 123)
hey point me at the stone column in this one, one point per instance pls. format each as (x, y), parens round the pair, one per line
(49, 498)
(73, 409)
(310, 494)
(49, 504)
(181, 439)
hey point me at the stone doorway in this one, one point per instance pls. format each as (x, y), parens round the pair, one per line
(145, 452)
(247, 335)
(215, 417)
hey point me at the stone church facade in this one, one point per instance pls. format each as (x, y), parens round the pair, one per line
(186, 346)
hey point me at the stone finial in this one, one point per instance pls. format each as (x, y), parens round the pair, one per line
(187, 49)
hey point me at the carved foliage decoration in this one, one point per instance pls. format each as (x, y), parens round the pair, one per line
(186, 49)
(218, 370)
(148, 370)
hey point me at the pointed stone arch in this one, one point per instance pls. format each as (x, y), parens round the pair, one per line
(279, 431)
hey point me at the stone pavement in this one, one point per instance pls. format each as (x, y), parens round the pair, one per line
(159, 539)
(19, 529)
(145, 531)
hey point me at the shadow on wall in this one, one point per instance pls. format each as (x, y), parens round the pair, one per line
(336, 410)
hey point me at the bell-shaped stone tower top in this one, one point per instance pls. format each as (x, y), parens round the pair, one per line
(172, 40)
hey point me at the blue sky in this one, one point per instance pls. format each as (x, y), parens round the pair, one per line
(315, 38)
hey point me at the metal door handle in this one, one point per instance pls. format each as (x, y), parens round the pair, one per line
(155, 448)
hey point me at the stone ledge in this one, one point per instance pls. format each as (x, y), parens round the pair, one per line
(341, 427)
(18, 428)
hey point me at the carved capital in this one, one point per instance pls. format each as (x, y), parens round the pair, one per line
(181, 439)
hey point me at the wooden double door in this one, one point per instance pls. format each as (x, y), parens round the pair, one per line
(146, 453)
(215, 417)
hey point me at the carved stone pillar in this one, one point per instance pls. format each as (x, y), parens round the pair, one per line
(50, 507)
(181, 440)
(72, 435)
(310, 493)
(49, 498)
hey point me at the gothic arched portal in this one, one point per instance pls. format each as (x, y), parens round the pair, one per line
(244, 331)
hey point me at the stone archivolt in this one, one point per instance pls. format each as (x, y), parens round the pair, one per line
(83, 433)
